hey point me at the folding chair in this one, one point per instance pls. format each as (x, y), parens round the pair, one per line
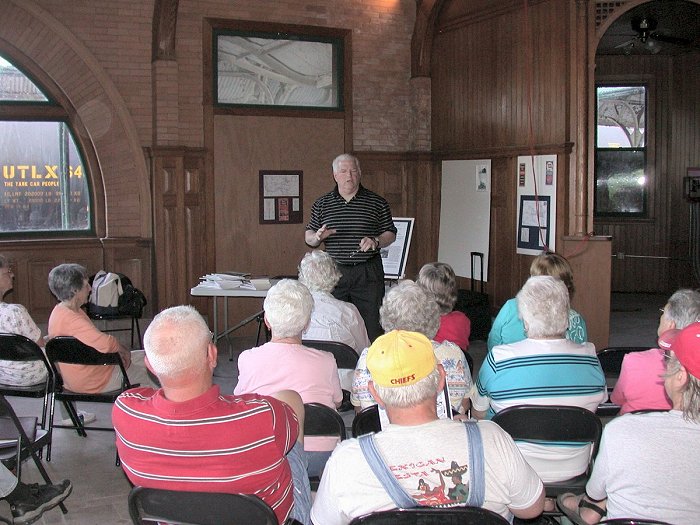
(19, 439)
(14, 347)
(345, 358)
(632, 521)
(320, 420)
(611, 362)
(366, 421)
(432, 516)
(197, 508)
(116, 317)
(70, 350)
(542, 423)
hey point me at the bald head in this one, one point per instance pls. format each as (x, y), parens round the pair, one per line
(176, 343)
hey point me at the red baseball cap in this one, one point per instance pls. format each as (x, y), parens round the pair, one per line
(686, 346)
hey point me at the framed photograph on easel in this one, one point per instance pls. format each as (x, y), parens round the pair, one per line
(395, 255)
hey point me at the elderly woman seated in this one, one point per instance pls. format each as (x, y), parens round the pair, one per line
(331, 319)
(407, 306)
(440, 280)
(544, 369)
(508, 326)
(69, 283)
(14, 319)
(285, 364)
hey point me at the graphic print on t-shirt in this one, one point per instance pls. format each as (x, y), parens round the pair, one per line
(449, 489)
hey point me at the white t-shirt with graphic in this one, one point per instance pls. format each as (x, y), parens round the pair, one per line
(431, 461)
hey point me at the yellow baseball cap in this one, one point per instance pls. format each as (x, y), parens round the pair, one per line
(400, 358)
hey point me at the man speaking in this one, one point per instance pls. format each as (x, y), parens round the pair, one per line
(354, 223)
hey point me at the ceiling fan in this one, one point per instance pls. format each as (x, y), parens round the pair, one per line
(648, 38)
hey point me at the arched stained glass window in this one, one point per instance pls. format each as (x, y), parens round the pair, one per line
(44, 187)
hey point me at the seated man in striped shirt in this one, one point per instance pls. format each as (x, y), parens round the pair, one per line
(188, 436)
(544, 369)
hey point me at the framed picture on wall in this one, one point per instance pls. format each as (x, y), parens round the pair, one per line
(281, 197)
(266, 69)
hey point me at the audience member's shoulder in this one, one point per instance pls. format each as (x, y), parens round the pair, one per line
(447, 349)
(644, 355)
(13, 307)
(141, 393)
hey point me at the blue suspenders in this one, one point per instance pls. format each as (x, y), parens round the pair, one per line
(399, 495)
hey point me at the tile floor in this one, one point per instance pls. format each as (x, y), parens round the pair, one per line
(100, 488)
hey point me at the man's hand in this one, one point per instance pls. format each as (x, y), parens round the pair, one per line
(315, 238)
(368, 244)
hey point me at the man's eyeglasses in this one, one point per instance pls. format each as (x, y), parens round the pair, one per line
(667, 356)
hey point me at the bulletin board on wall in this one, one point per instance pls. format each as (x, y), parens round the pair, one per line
(536, 180)
(281, 197)
(465, 214)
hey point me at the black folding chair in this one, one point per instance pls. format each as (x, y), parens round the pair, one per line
(320, 420)
(108, 317)
(632, 521)
(432, 516)
(345, 357)
(366, 421)
(541, 423)
(20, 438)
(611, 362)
(15, 347)
(197, 508)
(69, 350)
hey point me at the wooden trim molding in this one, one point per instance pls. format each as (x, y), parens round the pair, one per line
(427, 12)
(479, 15)
(505, 151)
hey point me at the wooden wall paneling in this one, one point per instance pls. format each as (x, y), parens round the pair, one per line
(684, 153)
(244, 145)
(480, 80)
(32, 261)
(591, 264)
(410, 184)
(180, 241)
(132, 257)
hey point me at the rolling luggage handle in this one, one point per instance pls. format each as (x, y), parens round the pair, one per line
(480, 256)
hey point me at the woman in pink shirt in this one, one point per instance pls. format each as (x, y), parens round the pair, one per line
(641, 382)
(285, 364)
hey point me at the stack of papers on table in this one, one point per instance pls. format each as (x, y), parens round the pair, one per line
(257, 283)
(232, 280)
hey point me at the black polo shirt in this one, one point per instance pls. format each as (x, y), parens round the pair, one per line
(365, 215)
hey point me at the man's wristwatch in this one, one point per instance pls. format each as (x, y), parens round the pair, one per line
(376, 240)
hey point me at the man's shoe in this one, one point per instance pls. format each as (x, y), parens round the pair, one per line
(85, 418)
(37, 499)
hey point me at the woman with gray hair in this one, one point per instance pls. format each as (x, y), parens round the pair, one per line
(284, 363)
(407, 306)
(14, 319)
(440, 280)
(648, 467)
(331, 319)
(543, 369)
(69, 283)
(640, 385)
(508, 325)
